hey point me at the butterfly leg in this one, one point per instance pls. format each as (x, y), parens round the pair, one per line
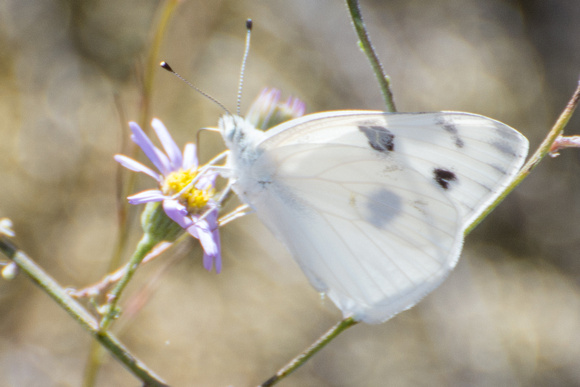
(240, 211)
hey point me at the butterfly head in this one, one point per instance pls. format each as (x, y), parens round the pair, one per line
(235, 130)
(241, 135)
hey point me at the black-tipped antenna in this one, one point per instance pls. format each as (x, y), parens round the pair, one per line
(246, 52)
(166, 66)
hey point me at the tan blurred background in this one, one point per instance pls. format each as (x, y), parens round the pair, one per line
(509, 315)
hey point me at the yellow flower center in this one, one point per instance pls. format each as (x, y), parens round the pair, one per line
(193, 198)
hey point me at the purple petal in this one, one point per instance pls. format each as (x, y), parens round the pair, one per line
(189, 157)
(200, 230)
(269, 102)
(177, 212)
(171, 148)
(155, 155)
(269, 97)
(207, 232)
(136, 166)
(296, 106)
(151, 195)
(212, 220)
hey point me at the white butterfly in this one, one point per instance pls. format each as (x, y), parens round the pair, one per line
(373, 205)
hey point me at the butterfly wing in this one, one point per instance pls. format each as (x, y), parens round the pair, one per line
(372, 205)
(369, 232)
(472, 157)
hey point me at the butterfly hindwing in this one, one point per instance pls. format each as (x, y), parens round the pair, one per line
(367, 230)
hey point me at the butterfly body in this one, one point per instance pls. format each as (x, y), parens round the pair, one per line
(373, 205)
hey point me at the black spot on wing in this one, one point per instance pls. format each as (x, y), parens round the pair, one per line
(447, 124)
(379, 137)
(444, 177)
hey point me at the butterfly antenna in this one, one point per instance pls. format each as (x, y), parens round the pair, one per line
(166, 66)
(246, 52)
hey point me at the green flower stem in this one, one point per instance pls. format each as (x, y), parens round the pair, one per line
(366, 46)
(144, 246)
(80, 314)
(535, 159)
(310, 351)
(157, 227)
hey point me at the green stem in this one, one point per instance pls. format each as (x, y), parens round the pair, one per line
(310, 351)
(80, 314)
(144, 246)
(367, 48)
(94, 361)
(535, 159)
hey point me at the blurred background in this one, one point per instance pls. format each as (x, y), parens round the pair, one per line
(71, 76)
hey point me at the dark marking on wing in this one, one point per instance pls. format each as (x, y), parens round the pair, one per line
(382, 207)
(507, 140)
(379, 137)
(444, 177)
(505, 132)
(504, 147)
(499, 168)
(450, 128)
(420, 205)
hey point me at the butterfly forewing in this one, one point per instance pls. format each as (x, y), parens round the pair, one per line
(470, 156)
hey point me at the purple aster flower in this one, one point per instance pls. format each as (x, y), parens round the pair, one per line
(185, 189)
(267, 111)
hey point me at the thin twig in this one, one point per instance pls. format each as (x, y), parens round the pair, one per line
(144, 246)
(106, 282)
(310, 351)
(563, 142)
(535, 159)
(80, 314)
(368, 49)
